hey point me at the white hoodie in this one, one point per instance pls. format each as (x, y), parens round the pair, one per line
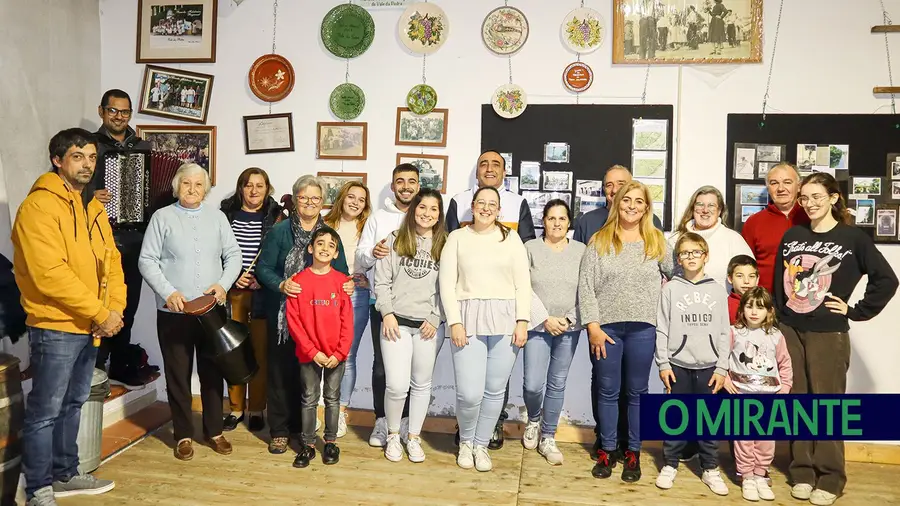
(380, 224)
(724, 244)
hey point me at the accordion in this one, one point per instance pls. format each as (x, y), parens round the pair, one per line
(127, 179)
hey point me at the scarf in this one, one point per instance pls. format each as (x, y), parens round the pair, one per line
(294, 263)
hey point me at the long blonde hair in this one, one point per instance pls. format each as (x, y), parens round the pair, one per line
(607, 238)
(333, 218)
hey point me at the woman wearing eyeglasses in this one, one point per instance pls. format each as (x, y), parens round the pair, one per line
(485, 288)
(283, 255)
(705, 216)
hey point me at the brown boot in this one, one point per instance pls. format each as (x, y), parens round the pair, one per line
(184, 450)
(220, 445)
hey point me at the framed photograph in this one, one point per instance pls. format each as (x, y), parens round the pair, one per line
(806, 156)
(886, 222)
(649, 134)
(511, 184)
(839, 156)
(895, 170)
(585, 204)
(650, 164)
(865, 212)
(657, 188)
(748, 211)
(537, 201)
(556, 152)
(754, 195)
(334, 181)
(589, 188)
(895, 190)
(764, 168)
(558, 181)
(769, 153)
(341, 140)
(432, 169)
(508, 162)
(745, 163)
(687, 31)
(190, 144)
(268, 133)
(421, 130)
(529, 175)
(172, 32)
(176, 94)
(866, 186)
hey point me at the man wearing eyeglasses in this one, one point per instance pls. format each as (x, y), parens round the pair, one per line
(114, 136)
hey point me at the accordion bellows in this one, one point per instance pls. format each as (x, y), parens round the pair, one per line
(127, 178)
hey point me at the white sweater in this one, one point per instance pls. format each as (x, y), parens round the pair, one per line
(480, 266)
(724, 244)
(379, 225)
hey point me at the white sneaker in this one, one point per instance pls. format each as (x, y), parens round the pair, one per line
(404, 430)
(466, 458)
(818, 496)
(379, 433)
(483, 459)
(550, 451)
(713, 479)
(532, 435)
(666, 478)
(750, 489)
(342, 424)
(393, 449)
(801, 491)
(765, 491)
(414, 450)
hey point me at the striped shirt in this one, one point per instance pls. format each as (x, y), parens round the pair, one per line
(248, 229)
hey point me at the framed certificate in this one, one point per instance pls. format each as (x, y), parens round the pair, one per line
(268, 133)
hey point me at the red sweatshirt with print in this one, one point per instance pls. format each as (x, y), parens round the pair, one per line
(320, 318)
(763, 232)
(734, 303)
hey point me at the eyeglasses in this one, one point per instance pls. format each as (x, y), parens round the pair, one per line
(483, 204)
(815, 199)
(684, 255)
(701, 206)
(308, 200)
(112, 111)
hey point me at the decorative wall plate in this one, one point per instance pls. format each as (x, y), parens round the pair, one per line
(505, 30)
(421, 99)
(348, 31)
(582, 30)
(347, 101)
(578, 77)
(423, 28)
(509, 101)
(271, 77)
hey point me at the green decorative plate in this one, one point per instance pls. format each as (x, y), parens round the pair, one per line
(347, 101)
(421, 99)
(348, 31)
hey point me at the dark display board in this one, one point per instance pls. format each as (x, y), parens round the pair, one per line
(598, 137)
(872, 142)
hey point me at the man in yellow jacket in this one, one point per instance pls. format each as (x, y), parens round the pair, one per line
(60, 245)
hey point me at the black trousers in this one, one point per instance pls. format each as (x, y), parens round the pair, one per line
(692, 381)
(181, 335)
(379, 383)
(129, 244)
(623, 410)
(283, 388)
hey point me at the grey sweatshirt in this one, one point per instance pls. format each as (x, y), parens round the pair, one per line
(408, 287)
(554, 280)
(692, 325)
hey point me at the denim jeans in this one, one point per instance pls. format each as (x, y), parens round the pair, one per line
(547, 361)
(311, 375)
(635, 343)
(360, 321)
(409, 367)
(482, 370)
(62, 365)
(692, 381)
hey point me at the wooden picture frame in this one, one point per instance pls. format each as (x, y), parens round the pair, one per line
(268, 133)
(334, 181)
(429, 175)
(175, 94)
(185, 142)
(736, 26)
(171, 32)
(341, 140)
(421, 130)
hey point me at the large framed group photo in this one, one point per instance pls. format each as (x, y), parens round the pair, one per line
(175, 94)
(185, 144)
(170, 32)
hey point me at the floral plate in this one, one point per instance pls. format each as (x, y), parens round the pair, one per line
(271, 77)
(421, 99)
(504, 30)
(510, 101)
(423, 28)
(582, 30)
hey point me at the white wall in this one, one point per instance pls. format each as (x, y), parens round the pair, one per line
(827, 62)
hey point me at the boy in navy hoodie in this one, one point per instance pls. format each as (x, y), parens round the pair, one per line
(692, 346)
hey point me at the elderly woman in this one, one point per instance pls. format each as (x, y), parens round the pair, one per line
(283, 255)
(705, 216)
(189, 250)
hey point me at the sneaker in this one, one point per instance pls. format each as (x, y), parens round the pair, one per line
(549, 450)
(765, 490)
(331, 454)
(603, 467)
(306, 455)
(42, 497)
(768, 479)
(404, 430)
(750, 489)
(631, 466)
(256, 423)
(713, 479)
(666, 478)
(278, 445)
(231, 422)
(393, 449)
(802, 491)
(819, 497)
(82, 484)
(496, 441)
(532, 435)
(342, 424)
(466, 457)
(483, 459)
(414, 450)
(379, 433)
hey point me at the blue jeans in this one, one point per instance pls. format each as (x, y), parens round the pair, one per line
(360, 320)
(633, 350)
(547, 361)
(62, 365)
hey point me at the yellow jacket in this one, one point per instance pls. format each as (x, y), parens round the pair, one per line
(59, 250)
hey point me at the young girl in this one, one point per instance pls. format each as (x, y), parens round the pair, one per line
(406, 294)
(759, 362)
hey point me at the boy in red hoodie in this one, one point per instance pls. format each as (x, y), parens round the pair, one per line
(743, 274)
(320, 320)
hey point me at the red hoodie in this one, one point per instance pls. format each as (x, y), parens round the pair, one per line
(763, 232)
(320, 318)
(734, 303)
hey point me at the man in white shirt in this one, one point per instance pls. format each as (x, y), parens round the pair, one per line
(371, 247)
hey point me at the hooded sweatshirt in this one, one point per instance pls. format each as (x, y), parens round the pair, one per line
(58, 261)
(408, 287)
(724, 244)
(692, 328)
(379, 226)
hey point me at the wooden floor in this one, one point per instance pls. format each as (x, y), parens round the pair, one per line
(148, 474)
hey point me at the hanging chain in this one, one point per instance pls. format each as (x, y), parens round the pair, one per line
(423, 69)
(509, 60)
(582, 4)
(274, 23)
(887, 47)
(772, 62)
(646, 80)
(506, 3)
(347, 72)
